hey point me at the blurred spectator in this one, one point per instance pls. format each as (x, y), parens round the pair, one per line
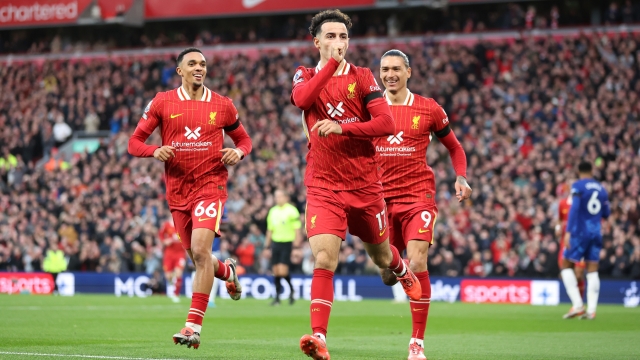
(246, 254)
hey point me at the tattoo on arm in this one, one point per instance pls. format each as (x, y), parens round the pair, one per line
(462, 181)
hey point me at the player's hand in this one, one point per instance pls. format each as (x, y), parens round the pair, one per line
(567, 241)
(231, 156)
(164, 153)
(338, 50)
(463, 190)
(326, 127)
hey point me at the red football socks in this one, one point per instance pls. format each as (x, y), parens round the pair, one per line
(223, 272)
(199, 303)
(420, 308)
(581, 286)
(178, 286)
(321, 300)
(397, 265)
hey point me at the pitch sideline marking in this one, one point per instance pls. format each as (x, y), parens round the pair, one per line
(78, 356)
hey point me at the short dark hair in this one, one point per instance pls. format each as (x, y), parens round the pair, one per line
(585, 167)
(185, 52)
(398, 53)
(328, 16)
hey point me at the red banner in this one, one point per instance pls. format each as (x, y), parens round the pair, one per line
(40, 12)
(32, 283)
(167, 9)
(495, 291)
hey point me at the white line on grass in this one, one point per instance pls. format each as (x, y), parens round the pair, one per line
(77, 356)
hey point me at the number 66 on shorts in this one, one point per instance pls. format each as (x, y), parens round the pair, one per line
(411, 221)
(202, 213)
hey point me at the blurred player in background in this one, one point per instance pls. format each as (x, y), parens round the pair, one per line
(343, 106)
(193, 121)
(564, 205)
(283, 230)
(583, 240)
(173, 259)
(408, 181)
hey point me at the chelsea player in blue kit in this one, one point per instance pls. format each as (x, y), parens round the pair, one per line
(583, 240)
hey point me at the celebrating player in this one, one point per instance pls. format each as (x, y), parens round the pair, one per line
(173, 259)
(564, 205)
(583, 240)
(193, 121)
(408, 181)
(344, 108)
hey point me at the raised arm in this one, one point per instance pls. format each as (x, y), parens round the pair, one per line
(306, 90)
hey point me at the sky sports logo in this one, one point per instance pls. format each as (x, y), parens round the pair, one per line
(534, 292)
(38, 12)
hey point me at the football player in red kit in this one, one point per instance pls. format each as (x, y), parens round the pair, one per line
(193, 121)
(344, 109)
(409, 183)
(173, 259)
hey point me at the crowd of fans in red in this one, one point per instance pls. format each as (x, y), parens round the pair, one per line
(525, 112)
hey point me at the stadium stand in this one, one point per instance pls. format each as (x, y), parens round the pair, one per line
(525, 112)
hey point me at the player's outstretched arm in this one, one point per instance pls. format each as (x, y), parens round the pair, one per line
(305, 92)
(381, 123)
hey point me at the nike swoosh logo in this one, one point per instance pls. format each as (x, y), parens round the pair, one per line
(201, 219)
(383, 231)
(248, 4)
(422, 232)
(175, 116)
(418, 309)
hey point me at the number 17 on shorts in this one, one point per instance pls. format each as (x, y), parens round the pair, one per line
(207, 214)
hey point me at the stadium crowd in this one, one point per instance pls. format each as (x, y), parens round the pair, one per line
(366, 23)
(525, 112)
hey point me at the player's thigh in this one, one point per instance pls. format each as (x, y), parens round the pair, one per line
(395, 227)
(418, 223)
(576, 251)
(206, 213)
(325, 249)
(367, 214)
(325, 213)
(592, 249)
(184, 225)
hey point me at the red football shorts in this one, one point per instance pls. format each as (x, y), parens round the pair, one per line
(580, 264)
(202, 213)
(411, 221)
(171, 262)
(363, 211)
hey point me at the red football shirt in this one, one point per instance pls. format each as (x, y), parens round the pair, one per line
(168, 231)
(196, 129)
(406, 175)
(340, 162)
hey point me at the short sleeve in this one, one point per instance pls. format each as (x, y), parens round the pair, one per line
(269, 218)
(575, 191)
(439, 118)
(295, 218)
(151, 116)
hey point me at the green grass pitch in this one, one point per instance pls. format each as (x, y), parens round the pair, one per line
(107, 327)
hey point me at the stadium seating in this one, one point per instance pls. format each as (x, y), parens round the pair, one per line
(525, 112)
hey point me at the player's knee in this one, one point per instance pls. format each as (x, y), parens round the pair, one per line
(324, 260)
(201, 257)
